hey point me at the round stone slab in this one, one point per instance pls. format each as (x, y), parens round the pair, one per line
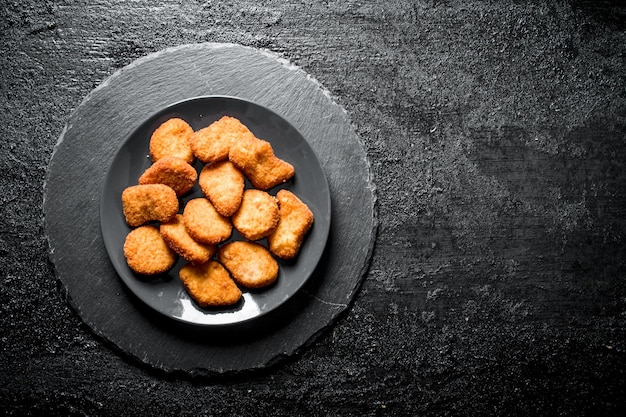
(75, 180)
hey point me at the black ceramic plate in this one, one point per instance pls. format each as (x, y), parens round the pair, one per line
(165, 293)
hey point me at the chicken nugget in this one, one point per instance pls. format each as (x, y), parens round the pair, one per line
(249, 263)
(257, 216)
(172, 138)
(212, 143)
(146, 252)
(173, 172)
(149, 202)
(223, 184)
(255, 157)
(177, 238)
(204, 224)
(296, 220)
(209, 284)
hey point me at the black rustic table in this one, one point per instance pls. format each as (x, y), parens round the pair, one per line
(475, 153)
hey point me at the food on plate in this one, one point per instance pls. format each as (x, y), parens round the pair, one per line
(173, 172)
(146, 252)
(249, 263)
(172, 138)
(255, 157)
(204, 224)
(149, 202)
(209, 284)
(223, 184)
(295, 221)
(177, 238)
(200, 226)
(257, 216)
(212, 143)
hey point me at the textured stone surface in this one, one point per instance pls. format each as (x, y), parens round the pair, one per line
(100, 126)
(495, 131)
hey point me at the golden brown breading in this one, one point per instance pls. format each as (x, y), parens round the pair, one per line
(173, 172)
(255, 157)
(204, 224)
(296, 220)
(249, 263)
(177, 238)
(223, 185)
(146, 252)
(258, 215)
(212, 143)
(149, 202)
(172, 138)
(209, 284)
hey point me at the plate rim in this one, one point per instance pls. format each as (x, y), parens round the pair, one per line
(150, 119)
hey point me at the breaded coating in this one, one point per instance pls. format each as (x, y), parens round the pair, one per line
(212, 143)
(249, 263)
(146, 252)
(258, 215)
(296, 220)
(177, 238)
(172, 138)
(209, 284)
(255, 157)
(204, 224)
(149, 202)
(223, 184)
(173, 172)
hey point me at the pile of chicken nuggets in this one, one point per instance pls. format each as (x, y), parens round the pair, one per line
(164, 228)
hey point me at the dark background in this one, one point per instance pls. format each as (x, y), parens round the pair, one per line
(496, 133)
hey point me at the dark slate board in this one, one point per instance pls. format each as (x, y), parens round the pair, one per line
(75, 179)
